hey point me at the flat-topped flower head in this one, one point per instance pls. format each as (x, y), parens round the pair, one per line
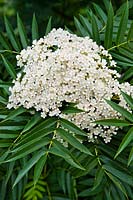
(62, 67)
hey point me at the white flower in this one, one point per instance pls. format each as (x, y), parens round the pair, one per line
(64, 67)
(112, 63)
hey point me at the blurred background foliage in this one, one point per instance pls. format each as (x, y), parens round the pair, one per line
(62, 11)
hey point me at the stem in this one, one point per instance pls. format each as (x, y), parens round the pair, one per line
(119, 45)
(21, 133)
(96, 151)
(49, 194)
(9, 51)
(51, 142)
(102, 28)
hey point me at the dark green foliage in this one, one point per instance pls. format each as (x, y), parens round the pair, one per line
(115, 32)
(33, 163)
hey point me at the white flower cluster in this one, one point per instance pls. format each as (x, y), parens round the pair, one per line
(62, 67)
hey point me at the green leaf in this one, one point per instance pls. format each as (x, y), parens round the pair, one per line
(109, 28)
(9, 171)
(3, 100)
(70, 184)
(4, 156)
(9, 67)
(130, 33)
(91, 193)
(117, 55)
(5, 143)
(112, 122)
(11, 35)
(5, 84)
(98, 178)
(128, 99)
(106, 4)
(11, 128)
(117, 183)
(45, 124)
(95, 31)
(87, 25)
(89, 14)
(129, 190)
(39, 167)
(61, 176)
(59, 146)
(120, 10)
(3, 189)
(8, 135)
(4, 42)
(126, 52)
(27, 150)
(28, 166)
(80, 28)
(130, 159)
(20, 188)
(33, 121)
(22, 32)
(72, 127)
(38, 132)
(48, 28)
(126, 140)
(35, 192)
(90, 166)
(121, 110)
(128, 74)
(73, 141)
(31, 139)
(35, 34)
(123, 25)
(100, 12)
(61, 153)
(124, 64)
(125, 177)
(14, 113)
